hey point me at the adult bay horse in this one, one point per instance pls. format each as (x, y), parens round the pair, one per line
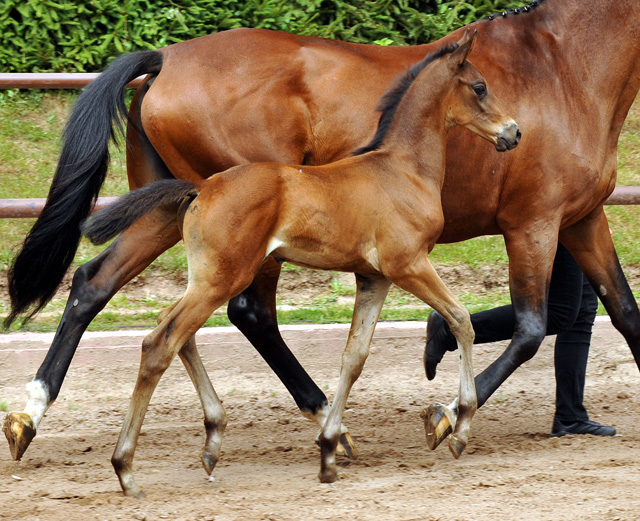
(241, 96)
(377, 214)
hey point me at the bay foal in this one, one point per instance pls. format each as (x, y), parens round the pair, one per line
(377, 214)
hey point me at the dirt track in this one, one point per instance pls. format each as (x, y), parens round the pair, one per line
(511, 469)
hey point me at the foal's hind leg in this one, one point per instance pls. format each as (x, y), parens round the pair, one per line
(369, 300)
(423, 281)
(158, 350)
(215, 418)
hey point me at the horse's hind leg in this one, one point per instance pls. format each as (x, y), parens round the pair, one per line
(253, 312)
(590, 243)
(369, 300)
(423, 282)
(93, 286)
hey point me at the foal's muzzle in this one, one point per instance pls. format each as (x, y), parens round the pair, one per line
(508, 138)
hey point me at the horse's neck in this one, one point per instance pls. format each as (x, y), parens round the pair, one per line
(597, 47)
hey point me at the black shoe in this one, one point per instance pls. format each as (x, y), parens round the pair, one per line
(439, 341)
(561, 428)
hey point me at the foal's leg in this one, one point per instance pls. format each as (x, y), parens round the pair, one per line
(158, 350)
(369, 300)
(423, 282)
(253, 312)
(93, 286)
(215, 417)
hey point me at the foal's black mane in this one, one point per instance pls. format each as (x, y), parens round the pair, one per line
(391, 99)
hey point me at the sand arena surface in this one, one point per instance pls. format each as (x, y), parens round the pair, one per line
(268, 470)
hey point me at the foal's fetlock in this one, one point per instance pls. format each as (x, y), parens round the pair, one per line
(19, 430)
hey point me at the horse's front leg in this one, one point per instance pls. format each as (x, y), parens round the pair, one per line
(422, 280)
(591, 245)
(93, 286)
(253, 312)
(370, 295)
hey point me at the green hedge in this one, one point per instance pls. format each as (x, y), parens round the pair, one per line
(83, 35)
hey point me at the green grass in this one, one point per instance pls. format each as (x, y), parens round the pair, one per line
(31, 124)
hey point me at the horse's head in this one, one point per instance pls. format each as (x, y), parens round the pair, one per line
(472, 104)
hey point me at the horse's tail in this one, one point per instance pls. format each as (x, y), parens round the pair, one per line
(126, 210)
(51, 244)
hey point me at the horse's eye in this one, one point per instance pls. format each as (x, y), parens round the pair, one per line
(480, 89)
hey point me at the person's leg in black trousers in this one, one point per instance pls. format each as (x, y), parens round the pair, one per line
(571, 312)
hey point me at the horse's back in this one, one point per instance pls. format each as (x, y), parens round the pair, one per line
(250, 95)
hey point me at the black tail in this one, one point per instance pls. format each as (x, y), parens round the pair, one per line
(51, 244)
(117, 217)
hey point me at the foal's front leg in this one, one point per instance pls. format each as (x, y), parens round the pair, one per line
(370, 296)
(423, 281)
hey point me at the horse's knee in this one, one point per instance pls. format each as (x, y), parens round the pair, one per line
(527, 339)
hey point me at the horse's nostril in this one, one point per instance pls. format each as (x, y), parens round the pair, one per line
(518, 135)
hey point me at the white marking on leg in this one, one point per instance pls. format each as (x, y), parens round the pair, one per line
(37, 401)
(603, 291)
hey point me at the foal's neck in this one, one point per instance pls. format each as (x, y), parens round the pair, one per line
(417, 137)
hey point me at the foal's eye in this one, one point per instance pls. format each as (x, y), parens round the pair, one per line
(480, 90)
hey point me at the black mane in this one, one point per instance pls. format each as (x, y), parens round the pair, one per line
(391, 99)
(524, 9)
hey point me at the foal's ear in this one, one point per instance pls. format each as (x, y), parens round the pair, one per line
(466, 44)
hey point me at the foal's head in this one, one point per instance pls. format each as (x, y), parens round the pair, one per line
(469, 100)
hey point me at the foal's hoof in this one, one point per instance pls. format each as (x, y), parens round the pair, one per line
(346, 447)
(19, 429)
(328, 475)
(209, 461)
(437, 424)
(456, 446)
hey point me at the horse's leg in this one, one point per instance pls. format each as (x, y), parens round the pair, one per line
(253, 312)
(423, 282)
(590, 243)
(93, 285)
(158, 350)
(369, 300)
(531, 256)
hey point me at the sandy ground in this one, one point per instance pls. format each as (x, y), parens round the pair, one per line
(269, 465)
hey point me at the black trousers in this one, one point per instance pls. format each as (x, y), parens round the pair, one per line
(571, 312)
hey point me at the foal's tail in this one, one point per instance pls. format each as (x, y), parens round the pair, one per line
(118, 216)
(51, 244)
